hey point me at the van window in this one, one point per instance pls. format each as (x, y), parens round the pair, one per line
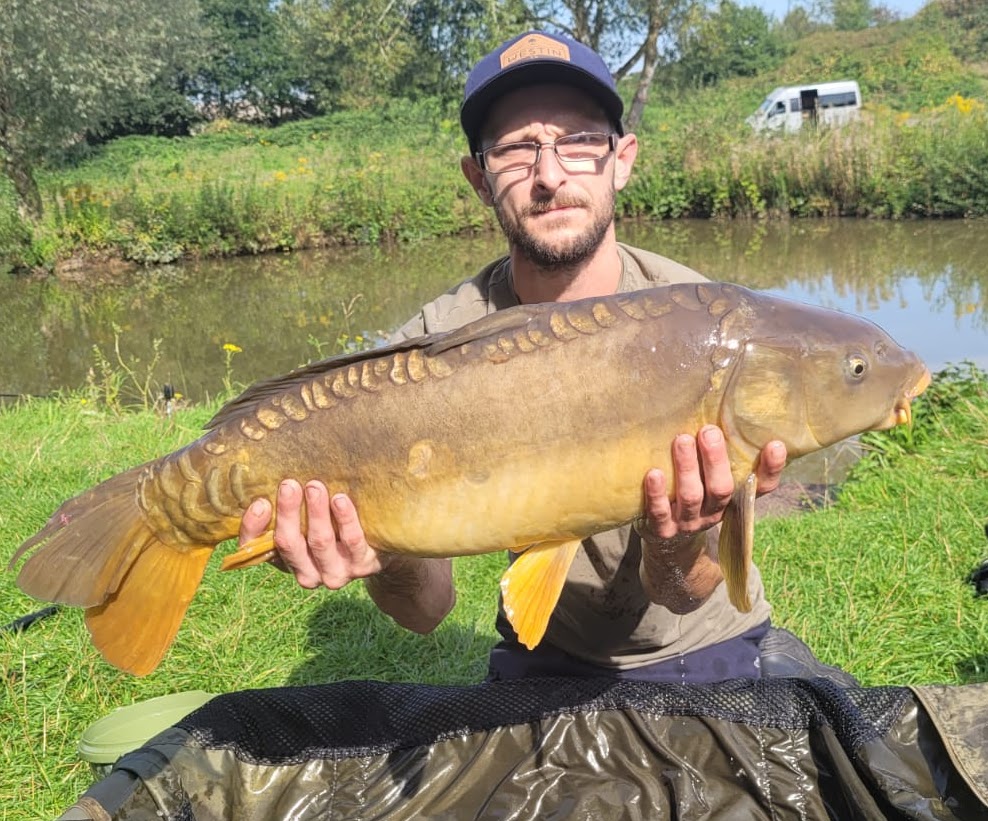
(840, 100)
(794, 104)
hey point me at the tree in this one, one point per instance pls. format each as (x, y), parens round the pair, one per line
(451, 36)
(618, 29)
(351, 52)
(65, 66)
(966, 22)
(658, 16)
(732, 41)
(851, 15)
(799, 23)
(248, 72)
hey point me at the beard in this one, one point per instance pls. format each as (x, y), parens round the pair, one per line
(562, 254)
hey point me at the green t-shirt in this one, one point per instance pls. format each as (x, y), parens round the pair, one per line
(603, 615)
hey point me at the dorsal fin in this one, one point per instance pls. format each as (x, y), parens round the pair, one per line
(276, 385)
(431, 344)
(500, 322)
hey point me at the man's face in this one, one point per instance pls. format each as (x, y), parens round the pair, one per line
(557, 214)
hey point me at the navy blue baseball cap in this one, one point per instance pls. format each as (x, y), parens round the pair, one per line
(529, 59)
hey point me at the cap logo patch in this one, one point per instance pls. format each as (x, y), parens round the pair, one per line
(537, 46)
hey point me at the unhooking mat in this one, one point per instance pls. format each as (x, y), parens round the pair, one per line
(562, 749)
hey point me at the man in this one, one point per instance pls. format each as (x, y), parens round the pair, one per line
(548, 153)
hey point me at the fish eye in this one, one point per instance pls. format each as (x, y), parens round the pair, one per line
(857, 366)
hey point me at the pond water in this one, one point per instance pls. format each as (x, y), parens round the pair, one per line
(924, 282)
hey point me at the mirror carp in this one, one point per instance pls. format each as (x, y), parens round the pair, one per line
(527, 430)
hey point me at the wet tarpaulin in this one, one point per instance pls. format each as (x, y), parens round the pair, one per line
(563, 749)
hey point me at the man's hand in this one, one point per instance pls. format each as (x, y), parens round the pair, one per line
(333, 551)
(679, 567)
(416, 592)
(704, 485)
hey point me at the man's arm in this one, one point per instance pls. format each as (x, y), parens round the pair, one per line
(416, 592)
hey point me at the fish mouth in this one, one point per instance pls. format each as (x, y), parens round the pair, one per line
(902, 413)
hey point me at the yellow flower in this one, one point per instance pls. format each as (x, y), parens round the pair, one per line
(231, 348)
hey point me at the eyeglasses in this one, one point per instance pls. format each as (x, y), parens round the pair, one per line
(573, 148)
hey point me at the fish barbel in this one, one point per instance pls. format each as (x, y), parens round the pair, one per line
(527, 430)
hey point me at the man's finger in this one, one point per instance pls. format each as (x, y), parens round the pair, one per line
(718, 480)
(255, 520)
(288, 537)
(659, 523)
(689, 481)
(771, 461)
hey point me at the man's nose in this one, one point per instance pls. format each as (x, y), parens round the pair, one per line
(549, 169)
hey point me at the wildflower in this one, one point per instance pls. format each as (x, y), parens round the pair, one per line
(229, 347)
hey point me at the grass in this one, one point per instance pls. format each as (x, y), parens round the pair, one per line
(874, 582)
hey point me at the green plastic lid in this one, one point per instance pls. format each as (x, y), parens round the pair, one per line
(128, 728)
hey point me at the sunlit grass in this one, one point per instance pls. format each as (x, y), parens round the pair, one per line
(874, 583)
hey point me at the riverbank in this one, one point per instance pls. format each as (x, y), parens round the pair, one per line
(392, 173)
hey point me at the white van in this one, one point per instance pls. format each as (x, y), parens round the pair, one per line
(786, 109)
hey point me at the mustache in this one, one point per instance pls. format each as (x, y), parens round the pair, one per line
(544, 206)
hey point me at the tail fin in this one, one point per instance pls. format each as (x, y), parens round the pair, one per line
(137, 624)
(98, 552)
(81, 555)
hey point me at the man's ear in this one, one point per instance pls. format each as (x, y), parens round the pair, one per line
(477, 178)
(624, 160)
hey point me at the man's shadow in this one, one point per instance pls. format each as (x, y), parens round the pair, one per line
(350, 639)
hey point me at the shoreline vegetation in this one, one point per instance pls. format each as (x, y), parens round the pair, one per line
(391, 173)
(875, 580)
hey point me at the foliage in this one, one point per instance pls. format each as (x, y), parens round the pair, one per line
(351, 52)
(908, 66)
(731, 41)
(248, 71)
(964, 24)
(451, 36)
(850, 15)
(391, 172)
(64, 66)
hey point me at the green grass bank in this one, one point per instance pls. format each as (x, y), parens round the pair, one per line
(392, 174)
(874, 582)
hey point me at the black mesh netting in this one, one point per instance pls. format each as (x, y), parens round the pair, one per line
(774, 749)
(292, 725)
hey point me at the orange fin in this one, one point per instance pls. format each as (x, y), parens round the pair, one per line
(135, 627)
(737, 543)
(256, 551)
(531, 587)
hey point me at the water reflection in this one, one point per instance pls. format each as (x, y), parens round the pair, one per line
(924, 282)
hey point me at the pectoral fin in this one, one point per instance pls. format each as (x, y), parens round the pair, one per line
(737, 542)
(531, 587)
(256, 551)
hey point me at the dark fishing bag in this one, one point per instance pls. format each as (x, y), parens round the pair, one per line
(562, 749)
